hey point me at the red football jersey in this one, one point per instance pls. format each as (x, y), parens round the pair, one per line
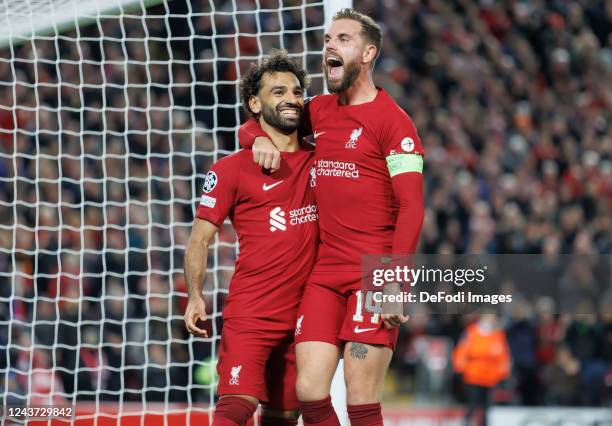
(354, 191)
(275, 218)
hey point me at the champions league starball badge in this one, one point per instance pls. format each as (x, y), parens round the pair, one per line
(210, 181)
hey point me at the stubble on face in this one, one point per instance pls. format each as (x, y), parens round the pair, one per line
(272, 116)
(349, 76)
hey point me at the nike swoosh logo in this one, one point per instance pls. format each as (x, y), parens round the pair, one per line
(268, 187)
(317, 134)
(358, 330)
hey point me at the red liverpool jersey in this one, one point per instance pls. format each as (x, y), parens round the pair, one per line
(355, 149)
(275, 218)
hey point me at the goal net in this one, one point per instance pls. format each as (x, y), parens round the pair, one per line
(111, 112)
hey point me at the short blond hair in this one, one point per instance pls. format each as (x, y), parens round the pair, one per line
(370, 30)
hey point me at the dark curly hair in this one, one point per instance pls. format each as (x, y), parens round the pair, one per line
(278, 61)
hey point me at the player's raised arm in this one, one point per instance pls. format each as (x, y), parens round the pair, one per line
(404, 155)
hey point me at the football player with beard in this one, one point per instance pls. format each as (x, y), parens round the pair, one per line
(369, 163)
(275, 218)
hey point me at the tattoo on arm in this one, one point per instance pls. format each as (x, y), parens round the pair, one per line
(358, 350)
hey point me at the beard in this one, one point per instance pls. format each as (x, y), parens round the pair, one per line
(351, 72)
(273, 117)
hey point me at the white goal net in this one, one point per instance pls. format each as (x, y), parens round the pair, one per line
(111, 112)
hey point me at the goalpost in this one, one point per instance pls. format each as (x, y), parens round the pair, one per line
(111, 112)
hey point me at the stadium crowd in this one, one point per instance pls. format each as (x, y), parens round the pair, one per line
(103, 146)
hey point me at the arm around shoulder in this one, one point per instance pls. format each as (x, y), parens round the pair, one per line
(265, 153)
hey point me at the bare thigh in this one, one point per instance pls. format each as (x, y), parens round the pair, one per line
(365, 367)
(316, 365)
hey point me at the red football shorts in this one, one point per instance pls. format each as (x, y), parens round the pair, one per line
(335, 312)
(257, 358)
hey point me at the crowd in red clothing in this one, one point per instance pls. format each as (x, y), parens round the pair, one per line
(101, 161)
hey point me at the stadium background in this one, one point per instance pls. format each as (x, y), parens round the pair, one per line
(107, 130)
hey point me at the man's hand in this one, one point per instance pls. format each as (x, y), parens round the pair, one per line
(266, 154)
(196, 310)
(393, 312)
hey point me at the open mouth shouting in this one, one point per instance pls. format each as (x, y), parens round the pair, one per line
(334, 66)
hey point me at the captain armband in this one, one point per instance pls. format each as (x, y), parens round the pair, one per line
(404, 163)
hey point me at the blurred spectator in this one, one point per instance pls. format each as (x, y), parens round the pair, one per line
(157, 375)
(522, 340)
(585, 340)
(482, 358)
(562, 378)
(550, 331)
(45, 387)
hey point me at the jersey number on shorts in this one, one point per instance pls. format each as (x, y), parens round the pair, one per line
(371, 304)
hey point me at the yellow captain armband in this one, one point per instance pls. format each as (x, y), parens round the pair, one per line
(404, 163)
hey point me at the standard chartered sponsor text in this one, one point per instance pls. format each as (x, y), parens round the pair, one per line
(303, 214)
(337, 169)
